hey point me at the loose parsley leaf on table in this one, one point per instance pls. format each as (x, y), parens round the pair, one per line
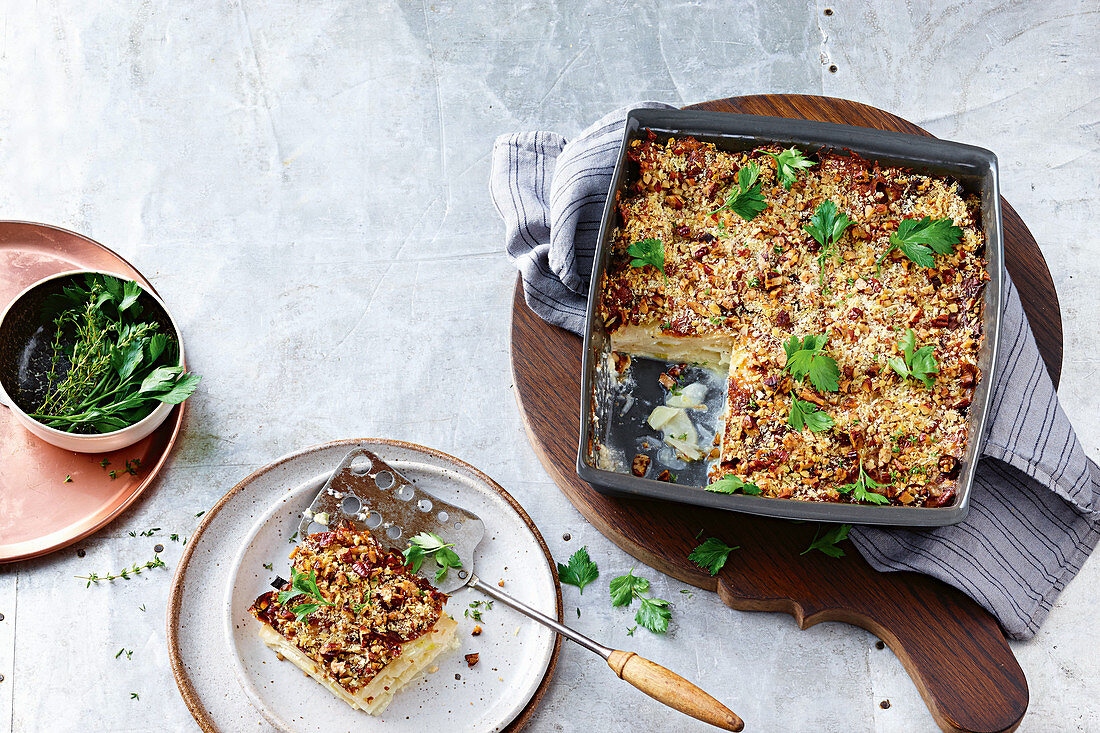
(860, 489)
(431, 545)
(580, 571)
(807, 415)
(730, 484)
(921, 239)
(788, 164)
(827, 226)
(711, 555)
(920, 364)
(626, 588)
(654, 614)
(648, 252)
(827, 543)
(745, 199)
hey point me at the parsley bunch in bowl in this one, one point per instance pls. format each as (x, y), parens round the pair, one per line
(113, 358)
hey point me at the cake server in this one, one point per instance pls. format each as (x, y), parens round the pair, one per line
(366, 492)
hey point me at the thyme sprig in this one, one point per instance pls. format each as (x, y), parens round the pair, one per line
(125, 573)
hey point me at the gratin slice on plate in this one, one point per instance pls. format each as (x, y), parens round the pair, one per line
(355, 619)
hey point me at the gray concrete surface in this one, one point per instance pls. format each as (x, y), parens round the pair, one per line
(306, 185)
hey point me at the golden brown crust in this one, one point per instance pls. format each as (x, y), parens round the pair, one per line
(378, 605)
(760, 282)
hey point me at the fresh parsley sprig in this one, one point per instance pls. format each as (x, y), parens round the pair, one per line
(431, 545)
(827, 226)
(648, 252)
(921, 239)
(745, 199)
(302, 584)
(860, 489)
(920, 364)
(731, 484)
(580, 571)
(712, 555)
(788, 164)
(805, 414)
(653, 613)
(807, 358)
(827, 543)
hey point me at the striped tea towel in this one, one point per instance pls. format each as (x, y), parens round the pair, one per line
(1033, 511)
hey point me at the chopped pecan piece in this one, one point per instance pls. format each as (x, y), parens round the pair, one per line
(640, 464)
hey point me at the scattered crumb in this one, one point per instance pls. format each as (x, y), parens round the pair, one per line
(471, 659)
(433, 669)
(476, 631)
(501, 582)
(885, 704)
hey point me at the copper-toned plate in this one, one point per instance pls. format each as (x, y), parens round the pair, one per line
(39, 511)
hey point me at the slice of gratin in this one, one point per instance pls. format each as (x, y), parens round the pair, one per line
(384, 628)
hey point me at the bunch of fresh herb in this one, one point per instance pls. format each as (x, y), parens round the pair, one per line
(712, 555)
(788, 164)
(653, 613)
(580, 571)
(108, 367)
(648, 252)
(920, 364)
(827, 226)
(303, 585)
(745, 199)
(921, 239)
(431, 545)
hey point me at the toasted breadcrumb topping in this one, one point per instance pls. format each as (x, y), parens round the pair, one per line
(759, 282)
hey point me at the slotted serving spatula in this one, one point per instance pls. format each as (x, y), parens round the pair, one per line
(368, 493)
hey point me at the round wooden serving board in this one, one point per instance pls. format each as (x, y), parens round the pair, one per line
(952, 648)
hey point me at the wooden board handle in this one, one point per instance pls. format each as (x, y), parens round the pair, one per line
(672, 690)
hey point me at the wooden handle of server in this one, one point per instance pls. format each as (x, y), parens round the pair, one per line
(672, 690)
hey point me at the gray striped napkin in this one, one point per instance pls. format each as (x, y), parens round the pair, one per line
(1033, 515)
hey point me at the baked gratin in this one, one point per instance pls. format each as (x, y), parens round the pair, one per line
(842, 298)
(355, 619)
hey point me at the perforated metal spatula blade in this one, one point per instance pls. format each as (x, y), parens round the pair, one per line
(369, 494)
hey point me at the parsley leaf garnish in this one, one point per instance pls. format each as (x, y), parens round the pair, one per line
(302, 584)
(861, 488)
(730, 484)
(654, 614)
(788, 164)
(807, 415)
(919, 239)
(711, 555)
(626, 588)
(745, 200)
(827, 225)
(807, 358)
(580, 571)
(828, 542)
(648, 252)
(427, 544)
(920, 364)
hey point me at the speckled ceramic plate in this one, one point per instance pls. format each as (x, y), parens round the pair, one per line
(231, 681)
(39, 510)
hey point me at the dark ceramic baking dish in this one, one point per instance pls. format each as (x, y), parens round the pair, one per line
(602, 421)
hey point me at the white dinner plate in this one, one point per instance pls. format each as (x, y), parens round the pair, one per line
(231, 680)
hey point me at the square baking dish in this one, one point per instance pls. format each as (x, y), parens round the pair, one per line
(603, 423)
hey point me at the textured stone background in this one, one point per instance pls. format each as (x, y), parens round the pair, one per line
(306, 185)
